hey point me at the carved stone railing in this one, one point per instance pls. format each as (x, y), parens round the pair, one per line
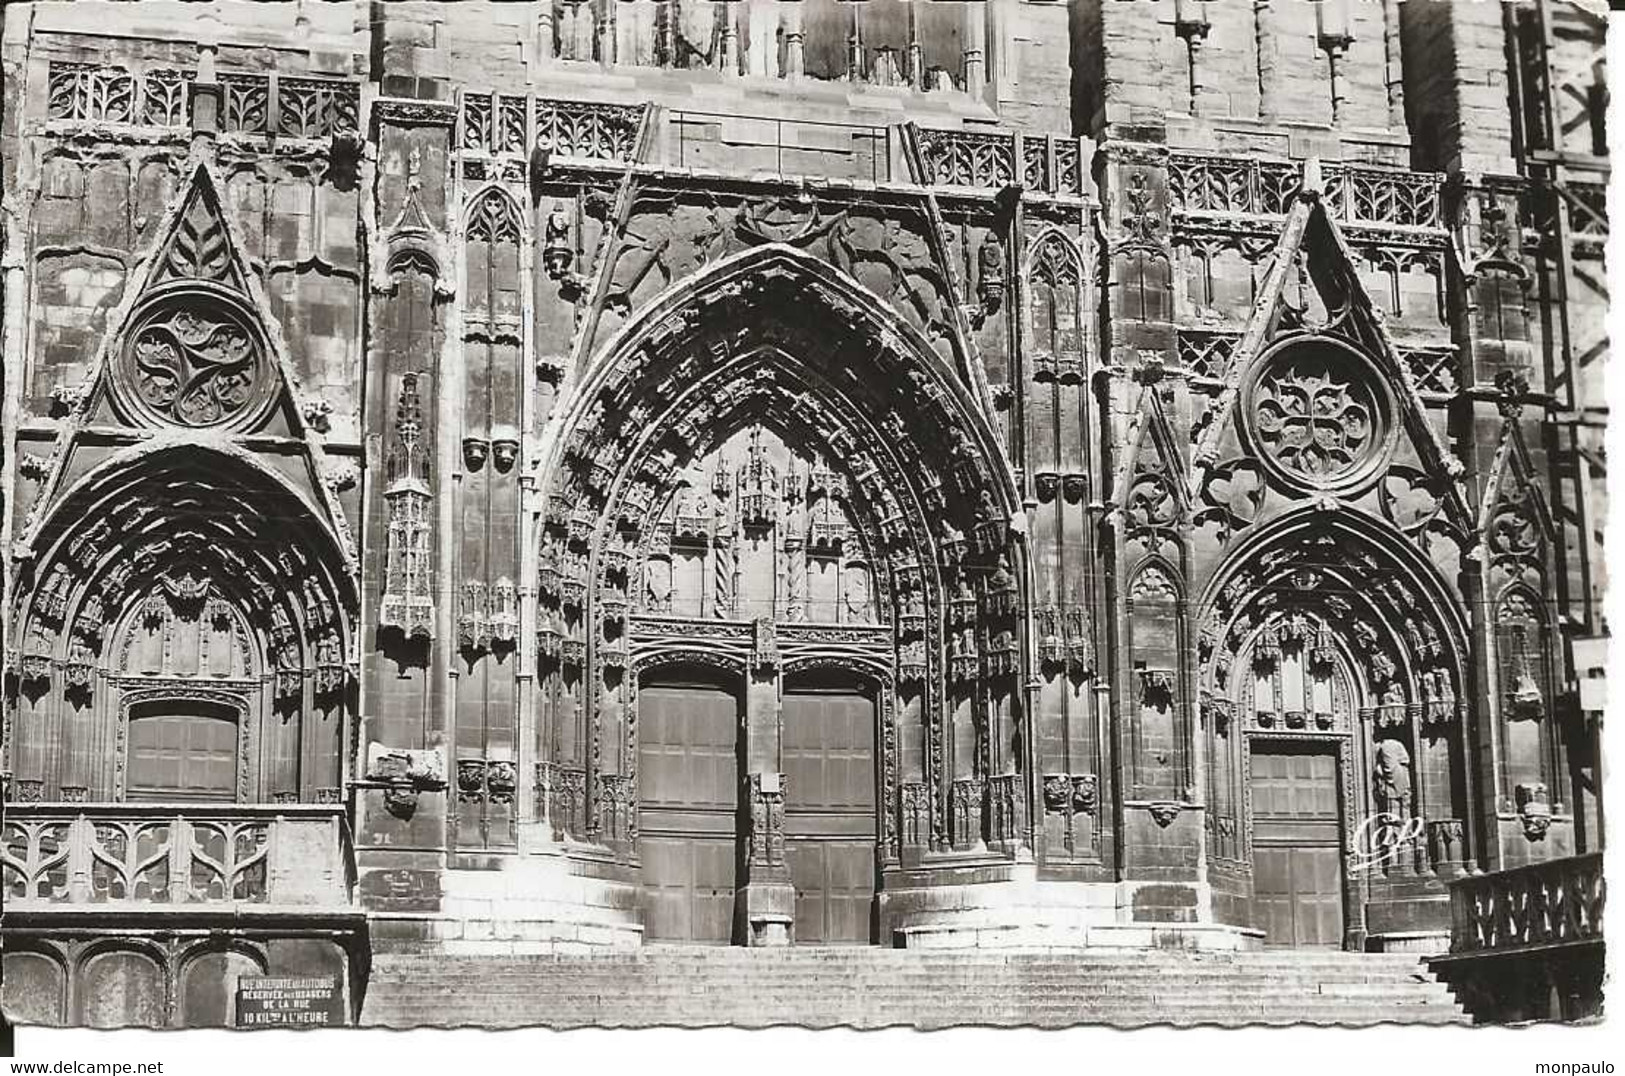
(1543, 904)
(507, 124)
(1200, 185)
(251, 103)
(994, 159)
(1231, 185)
(152, 857)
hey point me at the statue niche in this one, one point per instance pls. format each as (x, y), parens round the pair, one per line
(759, 527)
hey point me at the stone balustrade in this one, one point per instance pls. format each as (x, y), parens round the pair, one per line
(158, 856)
(1559, 901)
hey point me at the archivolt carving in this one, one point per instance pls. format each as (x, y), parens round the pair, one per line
(1321, 589)
(890, 463)
(169, 545)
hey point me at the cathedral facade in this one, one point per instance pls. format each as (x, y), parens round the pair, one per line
(528, 477)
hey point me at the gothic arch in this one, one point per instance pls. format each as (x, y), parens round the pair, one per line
(493, 214)
(1336, 591)
(774, 339)
(170, 544)
(752, 277)
(1056, 289)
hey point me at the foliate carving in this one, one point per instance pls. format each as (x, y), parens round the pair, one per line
(198, 249)
(164, 97)
(592, 131)
(968, 158)
(90, 92)
(245, 103)
(494, 219)
(494, 124)
(1144, 229)
(1314, 421)
(196, 361)
(1200, 184)
(315, 108)
(1373, 196)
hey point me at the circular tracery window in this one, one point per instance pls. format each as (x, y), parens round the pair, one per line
(194, 358)
(1318, 414)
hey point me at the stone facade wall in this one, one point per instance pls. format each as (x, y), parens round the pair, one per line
(1108, 391)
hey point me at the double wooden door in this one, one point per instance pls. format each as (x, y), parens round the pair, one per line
(691, 827)
(1297, 845)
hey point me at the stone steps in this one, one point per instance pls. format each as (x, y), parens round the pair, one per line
(859, 987)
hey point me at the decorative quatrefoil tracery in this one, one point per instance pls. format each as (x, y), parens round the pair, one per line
(1319, 415)
(194, 359)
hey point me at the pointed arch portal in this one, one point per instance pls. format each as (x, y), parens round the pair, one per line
(184, 610)
(767, 473)
(1333, 691)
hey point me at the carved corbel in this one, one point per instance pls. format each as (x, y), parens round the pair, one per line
(1534, 810)
(404, 775)
(1156, 687)
(505, 453)
(1164, 812)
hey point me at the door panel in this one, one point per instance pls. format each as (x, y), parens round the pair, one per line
(182, 751)
(1297, 847)
(688, 780)
(829, 815)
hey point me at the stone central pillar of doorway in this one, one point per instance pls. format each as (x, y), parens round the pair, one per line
(767, 900)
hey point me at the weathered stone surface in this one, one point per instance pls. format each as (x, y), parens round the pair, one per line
(1083, 475)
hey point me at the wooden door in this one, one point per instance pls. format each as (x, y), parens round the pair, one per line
(183, 750)
(1297, 846)
(688, 810)
(829, 814)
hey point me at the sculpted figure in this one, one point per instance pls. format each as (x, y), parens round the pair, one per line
(1392, 778)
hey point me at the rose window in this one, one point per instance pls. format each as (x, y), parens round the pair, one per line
(1318, 413)
(195, 360)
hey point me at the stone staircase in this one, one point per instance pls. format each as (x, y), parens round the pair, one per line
(871, 988)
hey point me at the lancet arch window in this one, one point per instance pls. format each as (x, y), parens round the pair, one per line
(1055, 301)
